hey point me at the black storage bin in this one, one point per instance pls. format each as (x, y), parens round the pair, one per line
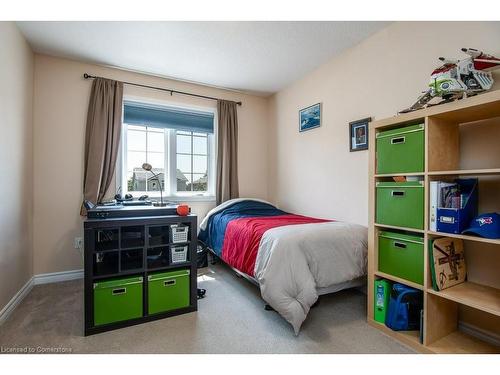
(131, 259)
(132, 236)
(105, 263)
(157, 257)
(159, 235)
(106, 239)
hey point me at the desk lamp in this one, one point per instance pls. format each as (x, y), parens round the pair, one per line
(148, 167)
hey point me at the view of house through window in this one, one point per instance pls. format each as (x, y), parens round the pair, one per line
(192, 161)
(190, 153)
(145, 145)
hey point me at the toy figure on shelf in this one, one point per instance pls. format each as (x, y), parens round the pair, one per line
(456, 79)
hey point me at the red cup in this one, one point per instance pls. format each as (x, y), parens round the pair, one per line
(183, 210)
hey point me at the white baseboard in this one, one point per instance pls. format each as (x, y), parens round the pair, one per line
(56, 277)
(15, 301)
(44, 278)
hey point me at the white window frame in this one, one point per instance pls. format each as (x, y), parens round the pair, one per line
(170, 193)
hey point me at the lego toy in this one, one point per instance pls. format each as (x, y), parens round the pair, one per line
(456, 79)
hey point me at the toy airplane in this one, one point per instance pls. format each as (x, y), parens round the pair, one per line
(456, 79)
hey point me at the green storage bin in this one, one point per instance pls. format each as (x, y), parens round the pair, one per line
(117, 300)
(382, 295)
(401, 150)
(168, 291)
(401, 255)
(400, 204)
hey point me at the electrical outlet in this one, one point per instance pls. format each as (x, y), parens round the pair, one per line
(78, 243)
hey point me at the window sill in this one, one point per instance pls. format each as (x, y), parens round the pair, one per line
(184, 198)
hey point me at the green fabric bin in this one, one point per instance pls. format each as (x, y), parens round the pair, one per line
(401, 150)
(401, 255)
(117, 300)
(400, 204)
(168, 291)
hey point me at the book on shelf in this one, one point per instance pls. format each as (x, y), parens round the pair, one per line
(444, 195)
(421, 328)
(447, 262)
(433, 198)
(449, 195)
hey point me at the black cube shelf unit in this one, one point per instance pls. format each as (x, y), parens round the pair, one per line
(119, 247)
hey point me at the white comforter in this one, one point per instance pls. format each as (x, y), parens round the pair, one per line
(294, 260)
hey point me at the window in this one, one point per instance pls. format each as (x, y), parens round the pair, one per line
(145, 145)
(178, 143)
(192, 161)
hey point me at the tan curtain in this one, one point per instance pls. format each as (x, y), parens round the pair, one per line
(102, 138)
(227, 151)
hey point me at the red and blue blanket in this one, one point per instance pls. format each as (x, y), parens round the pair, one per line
(234, 233)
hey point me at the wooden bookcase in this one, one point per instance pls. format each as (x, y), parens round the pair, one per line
(462, 138)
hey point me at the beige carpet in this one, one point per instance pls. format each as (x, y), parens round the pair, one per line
(231, 319)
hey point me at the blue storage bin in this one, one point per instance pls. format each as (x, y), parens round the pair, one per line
(455, 220)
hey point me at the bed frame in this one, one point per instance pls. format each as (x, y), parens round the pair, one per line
(359, 283)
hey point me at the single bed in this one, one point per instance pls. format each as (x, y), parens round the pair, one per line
(292, 258)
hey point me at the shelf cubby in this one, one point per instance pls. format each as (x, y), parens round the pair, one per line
(458, 342)
(443, 334)
(410, 338)
(105, 263)
(107, 239)
(488, 188)
(463, 145)
(481, 297)
(132, 236)
(158, 235)
(158, 257)
(131, 259)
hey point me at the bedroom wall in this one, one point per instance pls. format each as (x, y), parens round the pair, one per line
(313, 172)
(60, 108)
(16, 162)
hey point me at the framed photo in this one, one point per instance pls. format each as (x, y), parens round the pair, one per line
(310, 117)
(358, 134)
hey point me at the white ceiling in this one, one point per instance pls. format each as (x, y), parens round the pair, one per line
(257, 57)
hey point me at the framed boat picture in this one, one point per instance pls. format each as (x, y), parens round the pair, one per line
(358, 134)
(310, 117)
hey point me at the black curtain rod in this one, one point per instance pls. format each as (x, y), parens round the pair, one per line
(88, 76)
